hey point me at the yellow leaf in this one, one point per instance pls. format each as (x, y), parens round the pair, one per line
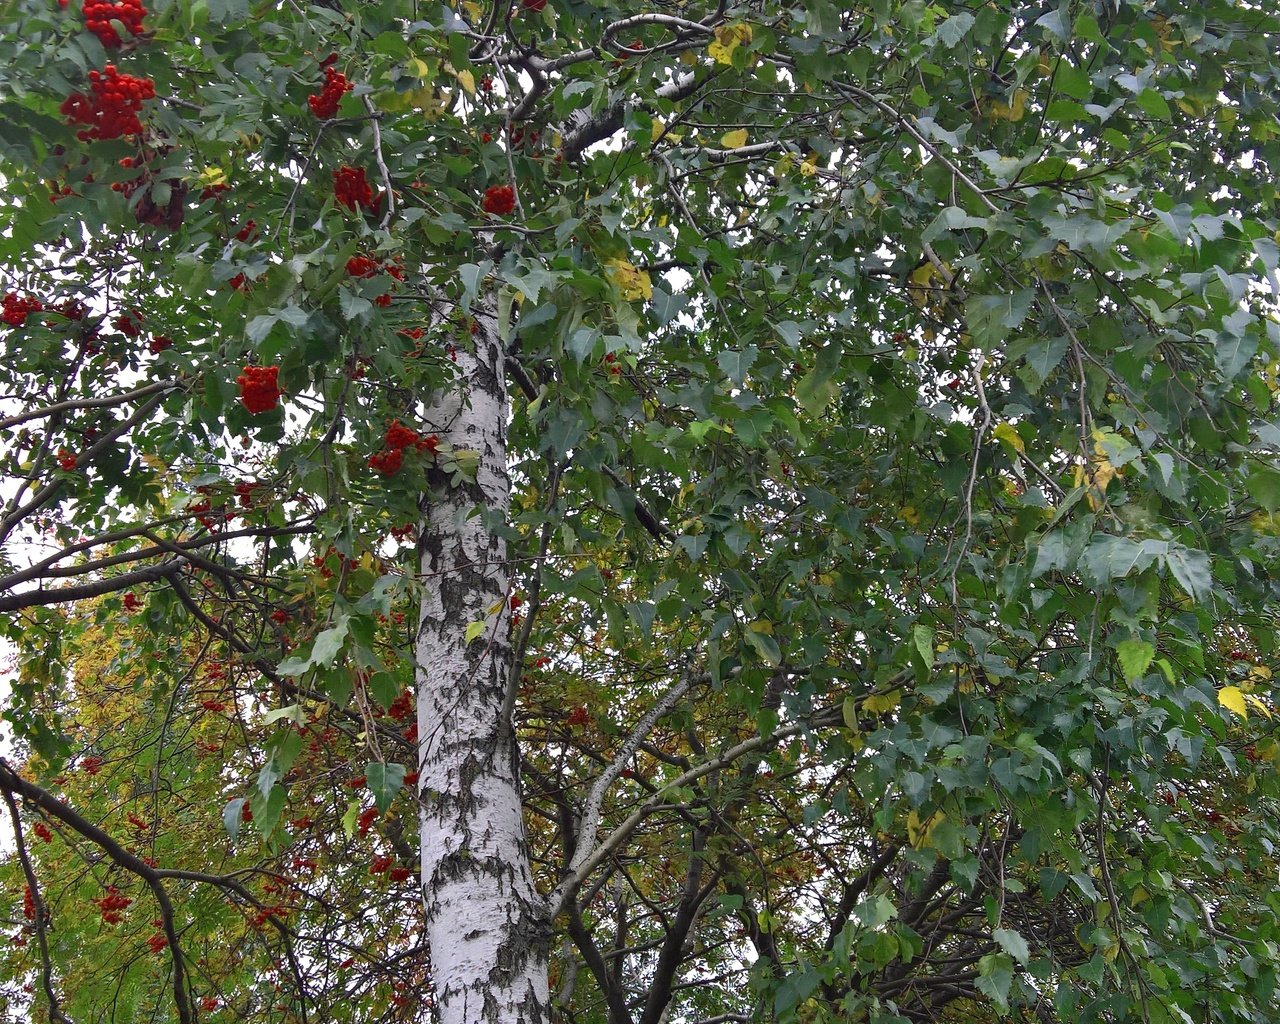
(474, 10)
(1012, 111)
(728, 38)
(909, 515)
(808, 169)
(467, 80)
(418, 67)
(881, 703)
(1008, 434)
(1258, 703)
(920, 833)
(631, 282)
(735, 139)
(474, 630)
(1232, 698)
(212, 176)
(660, 132)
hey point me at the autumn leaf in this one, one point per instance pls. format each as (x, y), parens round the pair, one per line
(728, 38)
(735, 139)
(1232, 698)
(632, 282)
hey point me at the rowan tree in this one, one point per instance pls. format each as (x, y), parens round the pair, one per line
(813, 467)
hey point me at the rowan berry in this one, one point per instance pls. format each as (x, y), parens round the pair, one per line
(15, 308)
(499, 200)
(259, 389)
(111, 110)
(99, 14)
(351, 188)
(325, 105)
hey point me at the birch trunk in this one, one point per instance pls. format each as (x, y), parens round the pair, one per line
(486, 925)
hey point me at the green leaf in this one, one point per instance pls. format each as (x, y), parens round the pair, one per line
(1135, 658)
(233, 816)
(819, 387)
(1013, 944)
(330, 642)
(384, 781)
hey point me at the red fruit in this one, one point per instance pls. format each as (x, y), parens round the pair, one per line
(15, 308)
(160, 342)
(379, 864)
(247, 232)
(213, 705)
(208, 1003)
(42, 831)
(325, 105)
(111, 109)
(401, 874)
(131, 602)
(66, 459)
(259, 390)
(366, 820)
(351, 188)
(157, 942)
(99, 14)
(363, 266)
(499, 200)
(91, 764)
(387, 462)
(240, 283)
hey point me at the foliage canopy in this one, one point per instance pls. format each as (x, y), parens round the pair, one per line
(834, 446)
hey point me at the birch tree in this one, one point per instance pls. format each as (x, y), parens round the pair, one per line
(810, 467)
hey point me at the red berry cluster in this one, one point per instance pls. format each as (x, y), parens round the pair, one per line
(325, 105)
(363, 266)
(208, 1003)
(67, 459)
(99, 14)
(111, 111)
(499, 200)
(351, 188)
(15, 308)
(160, 342)
(42, 831)
(365, 822)
(397, 439)
(381, 863)
(128, 323)
(259, 390)
(131, 602)
(112, 905)
(157, 941)
(91, 764)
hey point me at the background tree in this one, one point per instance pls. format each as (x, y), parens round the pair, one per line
(815, 467)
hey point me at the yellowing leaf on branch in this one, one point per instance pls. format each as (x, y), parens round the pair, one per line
(212, 176)
(467, 80)
(882, 703)
(920, 833)
(728, 38)
(1232, 698)
(1011, 111)
(631, 282)
(735, 139)
(1007, 434)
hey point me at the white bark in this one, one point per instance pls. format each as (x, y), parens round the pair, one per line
(486, 924)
